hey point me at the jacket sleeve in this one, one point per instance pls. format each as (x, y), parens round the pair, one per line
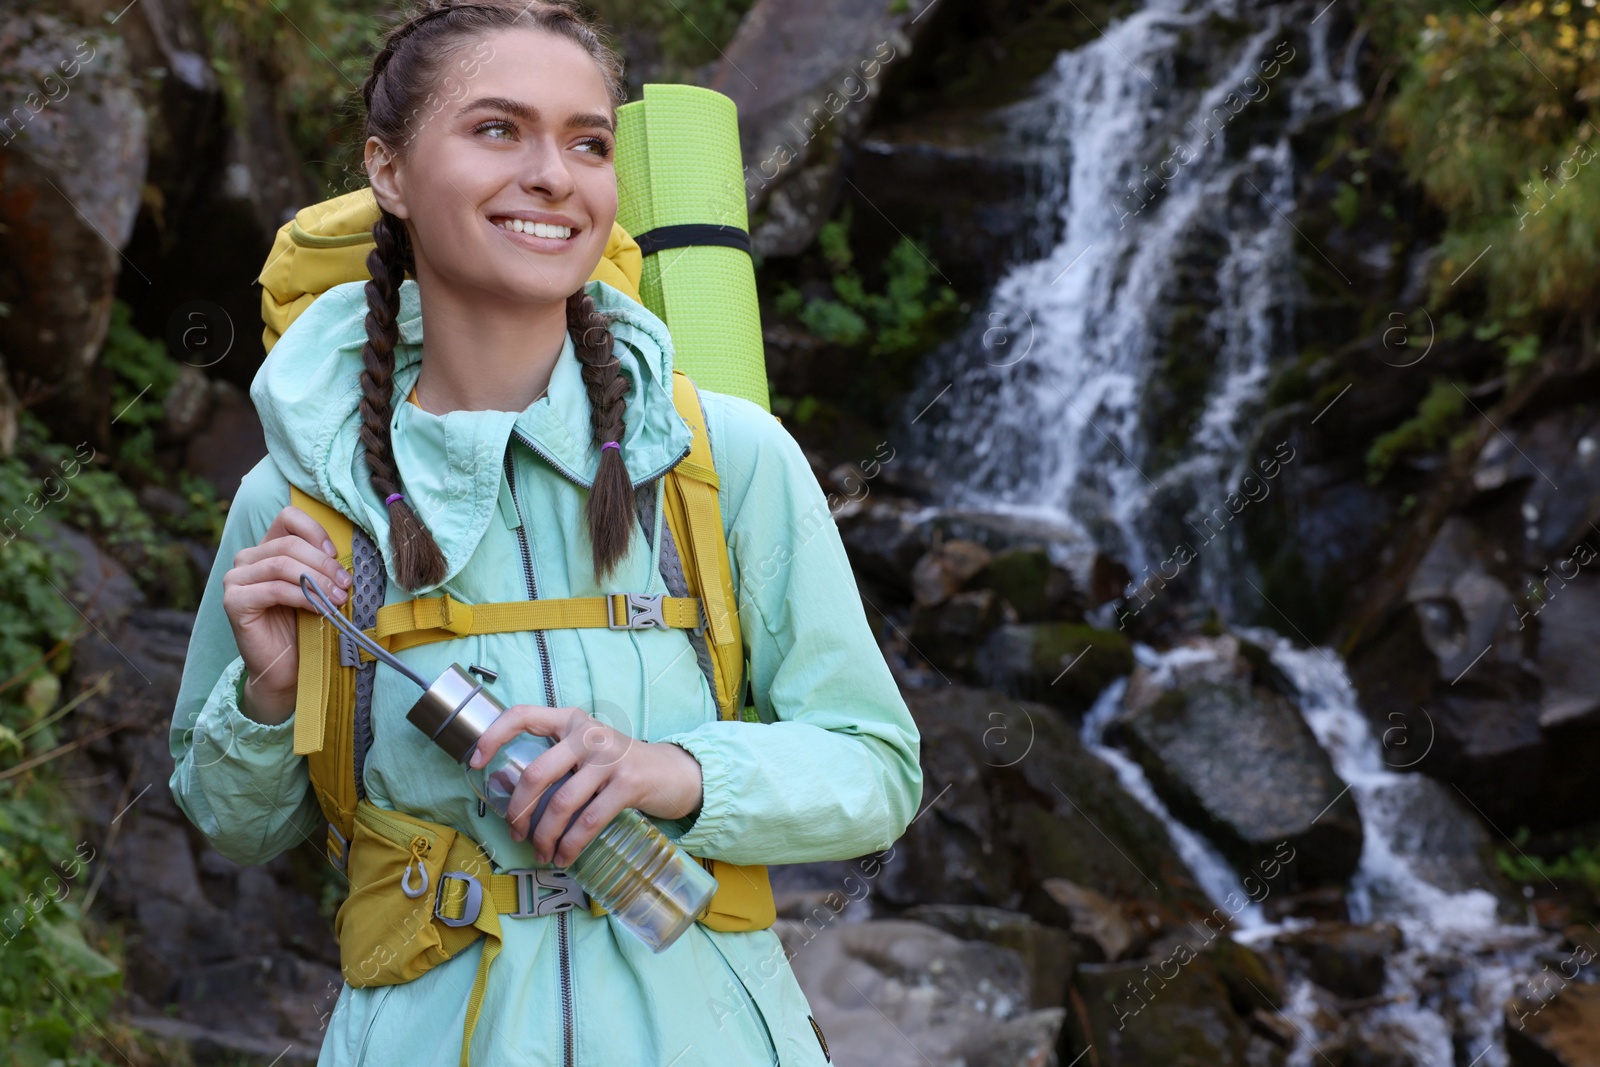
(238, 780)
(832, 771)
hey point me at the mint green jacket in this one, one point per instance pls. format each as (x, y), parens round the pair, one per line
(831, 771)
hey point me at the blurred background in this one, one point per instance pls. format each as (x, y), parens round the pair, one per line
(1206, 395)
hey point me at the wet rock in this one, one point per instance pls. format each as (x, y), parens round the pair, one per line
(1569, 632)
(951, 634)
(945, 569)
(1063, 664)
(1564, 1033)
(1137, 1017)
(1379, 1043)
(1011, 798)
(1049, 954)
(1032, 584)
(1239, 764)
(1344, 958)
(894, 992)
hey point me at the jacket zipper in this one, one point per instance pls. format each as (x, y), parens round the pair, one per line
(563, 948)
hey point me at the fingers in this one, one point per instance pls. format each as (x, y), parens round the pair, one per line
(291, 520)
(275, 578)
(538, 776)
(525, 718)
(325, 569)
(586, 795)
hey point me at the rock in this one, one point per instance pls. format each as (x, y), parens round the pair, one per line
(951, 633)
(188, 403)
(1049, 954)
(1039, 590)
(894, 992)
(1379, 1043)
(1063, 664)
(70, 184)
(945, 569)
(230, 444)
(1344, 958)
(882, 545)
(821, 68)
(1569, 632)
(101, 587)
(1239, 764)
(1137, 1017)
(1565, 1032)
(1013, 798)
(1095, 917)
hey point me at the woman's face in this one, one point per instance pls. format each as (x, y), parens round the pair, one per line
(518, 128)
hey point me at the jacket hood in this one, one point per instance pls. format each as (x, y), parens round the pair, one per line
(308, 392)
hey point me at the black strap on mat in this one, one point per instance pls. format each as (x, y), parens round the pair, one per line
(692, 233)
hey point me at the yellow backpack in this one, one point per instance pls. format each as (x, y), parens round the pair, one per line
(381, 851)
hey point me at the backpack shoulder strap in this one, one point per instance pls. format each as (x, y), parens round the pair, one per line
(324, 708)
(695, 519)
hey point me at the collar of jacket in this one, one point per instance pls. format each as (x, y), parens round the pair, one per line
(308, 393)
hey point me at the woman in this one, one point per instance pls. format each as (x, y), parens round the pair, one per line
(517, 452)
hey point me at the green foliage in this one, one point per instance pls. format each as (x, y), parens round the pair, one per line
(52, 973)
(1580, 864)
(1438, 415)
(1494, 116)
(689, 33)
(887, 325)
(144, 374)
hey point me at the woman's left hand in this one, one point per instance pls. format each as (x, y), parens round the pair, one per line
(616, 770)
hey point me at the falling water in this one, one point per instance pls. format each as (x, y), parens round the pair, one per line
(1177, 259)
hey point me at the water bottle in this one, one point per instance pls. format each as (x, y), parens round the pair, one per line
(653, 887)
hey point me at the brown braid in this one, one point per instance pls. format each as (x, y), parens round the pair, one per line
(397, 92)
(418, 560)
(611, 501)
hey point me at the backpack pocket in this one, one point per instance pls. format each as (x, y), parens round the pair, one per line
(386, 927)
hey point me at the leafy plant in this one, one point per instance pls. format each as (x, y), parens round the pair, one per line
(1437, 416)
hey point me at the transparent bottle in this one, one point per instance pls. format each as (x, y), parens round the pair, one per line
(653, 887)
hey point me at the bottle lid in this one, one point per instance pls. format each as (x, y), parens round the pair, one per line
(455, 711)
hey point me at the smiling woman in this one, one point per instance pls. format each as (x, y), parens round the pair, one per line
(532, 444)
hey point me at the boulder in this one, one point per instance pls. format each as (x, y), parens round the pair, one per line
(899, 993)
(1346, 959)
(1565, 1032)
(1049, 954)
(1011, 798)
(1034, 586)
(945, 569)
(1063, 664)
(1134, 1016)
(1240, 765)
(70, 183)
(951, 633)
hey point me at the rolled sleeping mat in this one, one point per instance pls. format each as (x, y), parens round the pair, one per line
(680, 190)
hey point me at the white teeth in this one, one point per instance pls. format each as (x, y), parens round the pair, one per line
(538, 229)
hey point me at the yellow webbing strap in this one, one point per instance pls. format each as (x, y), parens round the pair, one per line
(442, 618)
(325, 700)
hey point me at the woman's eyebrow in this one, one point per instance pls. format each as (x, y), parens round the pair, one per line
(529, 113)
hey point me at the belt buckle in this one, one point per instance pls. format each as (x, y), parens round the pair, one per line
(568, 893)
(642, 611)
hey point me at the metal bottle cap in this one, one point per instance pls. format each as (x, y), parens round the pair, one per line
(455, 711)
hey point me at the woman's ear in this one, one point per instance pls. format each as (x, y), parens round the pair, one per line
(383, 174)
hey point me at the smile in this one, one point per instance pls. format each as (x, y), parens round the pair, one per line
(544, 234)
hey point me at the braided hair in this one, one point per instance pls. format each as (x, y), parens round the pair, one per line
(403, 75)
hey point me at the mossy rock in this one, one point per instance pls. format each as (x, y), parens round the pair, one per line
(1063, 664)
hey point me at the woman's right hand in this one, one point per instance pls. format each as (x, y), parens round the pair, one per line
(261, 595)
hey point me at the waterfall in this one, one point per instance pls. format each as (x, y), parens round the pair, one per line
(1109, 388)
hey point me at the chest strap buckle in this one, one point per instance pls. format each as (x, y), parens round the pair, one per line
(640, 611)
(569, 894)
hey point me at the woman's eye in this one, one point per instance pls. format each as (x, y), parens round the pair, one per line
(494, 124)
(602, 147)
